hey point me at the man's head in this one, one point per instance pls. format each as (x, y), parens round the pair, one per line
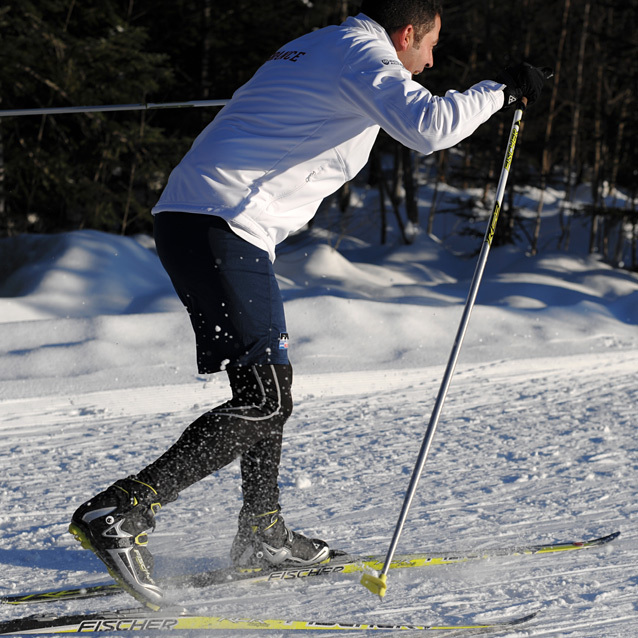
(413, 26)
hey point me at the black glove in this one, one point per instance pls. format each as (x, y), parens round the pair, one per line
(522, 81)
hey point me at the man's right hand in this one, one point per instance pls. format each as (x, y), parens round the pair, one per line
(522, 81)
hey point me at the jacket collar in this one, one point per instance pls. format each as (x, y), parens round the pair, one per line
(362, 21)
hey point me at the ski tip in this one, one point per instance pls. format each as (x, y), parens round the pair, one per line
(375, 584)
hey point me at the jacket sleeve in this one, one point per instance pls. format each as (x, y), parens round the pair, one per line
(411, 114)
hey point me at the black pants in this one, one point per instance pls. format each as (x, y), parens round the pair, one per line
(250, 425)
(230, 291)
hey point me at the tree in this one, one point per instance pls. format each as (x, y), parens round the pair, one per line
(83, 170)
(106, 171)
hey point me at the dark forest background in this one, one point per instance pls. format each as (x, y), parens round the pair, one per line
(106, 170)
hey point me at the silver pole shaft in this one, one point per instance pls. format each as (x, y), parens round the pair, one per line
(460, 335)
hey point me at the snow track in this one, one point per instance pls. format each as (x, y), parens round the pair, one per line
(528, 450)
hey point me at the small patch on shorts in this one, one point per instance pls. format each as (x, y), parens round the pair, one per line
(283, 341)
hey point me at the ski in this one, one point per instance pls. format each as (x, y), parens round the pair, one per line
(143, 620)
(337, 563)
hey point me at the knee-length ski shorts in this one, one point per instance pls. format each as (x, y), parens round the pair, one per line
(229, 289)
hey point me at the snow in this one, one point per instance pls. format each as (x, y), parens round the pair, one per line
(536, 442)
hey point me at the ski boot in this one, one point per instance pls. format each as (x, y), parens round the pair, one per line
(264, 540)
(114, 526)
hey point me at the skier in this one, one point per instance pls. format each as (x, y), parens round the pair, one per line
(299, 129)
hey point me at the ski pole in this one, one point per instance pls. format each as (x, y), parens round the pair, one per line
(377, 584)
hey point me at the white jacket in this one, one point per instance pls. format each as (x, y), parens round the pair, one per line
(305, 124)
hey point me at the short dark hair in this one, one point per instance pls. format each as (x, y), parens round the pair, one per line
(396, 14)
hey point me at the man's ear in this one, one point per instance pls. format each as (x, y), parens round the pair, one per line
(403, 38)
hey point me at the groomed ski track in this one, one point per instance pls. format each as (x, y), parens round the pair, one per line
(527, 451)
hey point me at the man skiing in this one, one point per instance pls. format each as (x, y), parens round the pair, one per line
(298, 130)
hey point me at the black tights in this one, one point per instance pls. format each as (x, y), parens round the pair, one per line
(250, 425)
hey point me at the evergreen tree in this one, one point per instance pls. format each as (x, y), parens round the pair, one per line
(105, 170)
(99, 170)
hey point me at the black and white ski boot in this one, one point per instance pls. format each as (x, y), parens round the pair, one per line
(114, 525)
(264, 540)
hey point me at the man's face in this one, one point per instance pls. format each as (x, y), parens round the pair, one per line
(416, 58)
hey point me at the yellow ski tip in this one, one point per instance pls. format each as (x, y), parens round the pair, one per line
(376, 584)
